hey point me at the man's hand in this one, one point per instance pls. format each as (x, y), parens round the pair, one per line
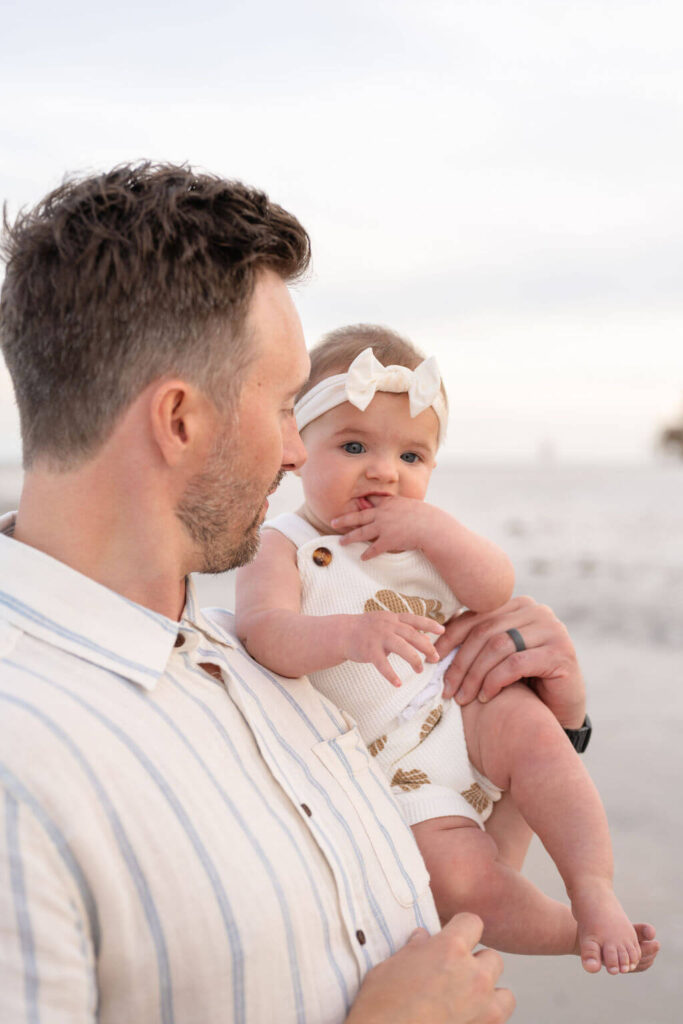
(393, 524)
(371, 637)
(488, 661)
(436, 980)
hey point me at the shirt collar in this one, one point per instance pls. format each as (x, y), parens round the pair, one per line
(216, 630)
(51, 601)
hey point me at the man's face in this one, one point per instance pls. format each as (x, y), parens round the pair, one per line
(224, 505)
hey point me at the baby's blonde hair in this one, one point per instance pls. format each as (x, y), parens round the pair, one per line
(335, 352)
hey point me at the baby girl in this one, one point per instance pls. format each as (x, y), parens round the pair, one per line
(352, 591)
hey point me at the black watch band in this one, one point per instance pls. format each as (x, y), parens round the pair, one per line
(580, 738)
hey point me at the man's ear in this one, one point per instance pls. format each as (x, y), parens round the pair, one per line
(182, 421)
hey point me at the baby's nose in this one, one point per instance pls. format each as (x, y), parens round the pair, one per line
(383, 469)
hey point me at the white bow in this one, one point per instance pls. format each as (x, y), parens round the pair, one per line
(366, 375)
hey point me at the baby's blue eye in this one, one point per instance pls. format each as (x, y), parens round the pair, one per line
(410, 457)
(353, 447)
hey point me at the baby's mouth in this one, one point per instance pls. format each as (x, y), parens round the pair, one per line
(370, 500)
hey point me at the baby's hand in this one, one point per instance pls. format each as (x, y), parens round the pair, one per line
(374, 635)
(393, 524)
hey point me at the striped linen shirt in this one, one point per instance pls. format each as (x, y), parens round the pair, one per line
(176, 847)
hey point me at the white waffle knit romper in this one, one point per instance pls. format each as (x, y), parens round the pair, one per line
(416, 736)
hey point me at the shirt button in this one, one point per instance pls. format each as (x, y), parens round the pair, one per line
(360, 935)
(179, 640)
(307, 810)
(322, 556)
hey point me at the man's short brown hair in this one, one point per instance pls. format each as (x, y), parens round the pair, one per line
(335, 352)
(117, 279)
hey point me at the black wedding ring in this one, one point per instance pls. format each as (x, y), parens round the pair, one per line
(517, 639)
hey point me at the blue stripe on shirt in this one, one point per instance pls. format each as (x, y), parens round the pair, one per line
(125, 848)
(89, 645)
(28, 949)
(66, 854)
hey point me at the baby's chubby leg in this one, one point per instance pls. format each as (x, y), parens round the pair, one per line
(467, 873)
(520, 746)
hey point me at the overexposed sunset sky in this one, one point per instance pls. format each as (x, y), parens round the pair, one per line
(499, 180)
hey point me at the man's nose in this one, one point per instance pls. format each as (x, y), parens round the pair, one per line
(293, 451)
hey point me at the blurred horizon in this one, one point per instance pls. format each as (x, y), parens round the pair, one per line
(499, 182)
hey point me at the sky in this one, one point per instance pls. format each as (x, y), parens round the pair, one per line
(500, 180)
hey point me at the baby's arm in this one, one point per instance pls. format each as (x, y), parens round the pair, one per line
(478, 572)
(270, 624)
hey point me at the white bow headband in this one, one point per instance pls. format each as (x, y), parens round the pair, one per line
(364, 377)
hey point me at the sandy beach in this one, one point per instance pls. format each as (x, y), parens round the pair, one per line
(604, 547)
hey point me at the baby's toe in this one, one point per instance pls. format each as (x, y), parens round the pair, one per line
(624, 959)
(634, 955)
(590, 955)
(610, 958)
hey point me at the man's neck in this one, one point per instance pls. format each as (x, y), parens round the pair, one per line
(109, 526)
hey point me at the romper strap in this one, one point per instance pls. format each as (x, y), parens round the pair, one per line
(293, 527)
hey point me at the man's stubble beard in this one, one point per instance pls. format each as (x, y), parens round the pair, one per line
(212, 506)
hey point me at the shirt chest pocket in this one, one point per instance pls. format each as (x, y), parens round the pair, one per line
(347, 759)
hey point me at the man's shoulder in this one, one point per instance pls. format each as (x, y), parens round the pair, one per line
(223, 620)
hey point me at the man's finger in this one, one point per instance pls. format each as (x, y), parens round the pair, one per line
(519, 610)
(485, 648)
(491, 961)
(455, 632)
(525, 665)
(505, 1004)
(466, 927)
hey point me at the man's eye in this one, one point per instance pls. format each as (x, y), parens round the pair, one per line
(410, 457)
(353, 447)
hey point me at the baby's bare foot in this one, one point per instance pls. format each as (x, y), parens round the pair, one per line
(605, 934)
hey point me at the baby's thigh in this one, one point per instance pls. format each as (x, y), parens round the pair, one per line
(499, 731)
